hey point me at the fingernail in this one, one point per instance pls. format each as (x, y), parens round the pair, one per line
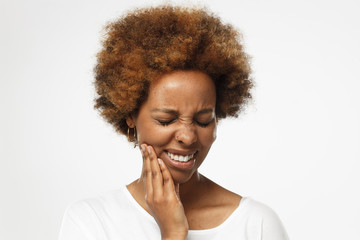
(159, 161)
(148, 149)
(142, 149)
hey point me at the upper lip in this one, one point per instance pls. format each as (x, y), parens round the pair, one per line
(181, 152)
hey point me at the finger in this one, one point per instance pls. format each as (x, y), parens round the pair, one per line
(167, 178)
(143, 167)
(177, 190)
(157, 179)
(142, 150)
(147, 173)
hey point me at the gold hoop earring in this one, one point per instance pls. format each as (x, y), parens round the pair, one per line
(134, 137)
(128, 134)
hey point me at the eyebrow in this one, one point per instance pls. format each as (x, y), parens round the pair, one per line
(172, 111)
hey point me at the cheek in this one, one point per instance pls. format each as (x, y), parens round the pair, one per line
(208, 136)
(154, 135)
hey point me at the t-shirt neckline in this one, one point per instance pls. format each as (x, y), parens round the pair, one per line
(237, 211)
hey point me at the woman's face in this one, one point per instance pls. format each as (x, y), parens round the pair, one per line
(178, 120)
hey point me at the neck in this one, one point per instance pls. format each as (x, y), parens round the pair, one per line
(193, 191)
(192, 185)
(190, 191)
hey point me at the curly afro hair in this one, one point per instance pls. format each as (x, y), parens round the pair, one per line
(147, 43)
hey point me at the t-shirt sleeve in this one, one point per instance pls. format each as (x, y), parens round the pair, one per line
(272, 227)
(262, 223)
(80, 223)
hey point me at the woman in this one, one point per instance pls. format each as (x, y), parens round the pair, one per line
(165, 77)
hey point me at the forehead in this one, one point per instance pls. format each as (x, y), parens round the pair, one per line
(183, 88)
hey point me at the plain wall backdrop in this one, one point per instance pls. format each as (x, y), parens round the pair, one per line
(295, 148)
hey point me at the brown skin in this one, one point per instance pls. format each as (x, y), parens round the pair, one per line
(179, 117)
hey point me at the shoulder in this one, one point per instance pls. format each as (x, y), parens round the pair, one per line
(80, 222)
(101, 202)
(263, 219)
(83, 218)
(258, 209)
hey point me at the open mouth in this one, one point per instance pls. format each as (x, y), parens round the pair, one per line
(180, 158)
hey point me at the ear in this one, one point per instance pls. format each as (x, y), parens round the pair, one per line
(130, 121)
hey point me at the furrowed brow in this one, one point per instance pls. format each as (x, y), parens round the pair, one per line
(204, 111)
(174, 112)
(164, 110)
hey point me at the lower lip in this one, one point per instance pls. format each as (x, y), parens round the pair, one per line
(180, 165)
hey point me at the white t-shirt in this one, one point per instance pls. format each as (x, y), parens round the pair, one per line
(116, 216)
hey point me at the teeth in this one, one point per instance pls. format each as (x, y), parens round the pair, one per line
(180, 158)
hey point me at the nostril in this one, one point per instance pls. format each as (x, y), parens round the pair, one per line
(186, 138)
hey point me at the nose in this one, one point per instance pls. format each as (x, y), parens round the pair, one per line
(186, 135)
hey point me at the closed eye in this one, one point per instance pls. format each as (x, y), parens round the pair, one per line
(201, 124)
(165, 123)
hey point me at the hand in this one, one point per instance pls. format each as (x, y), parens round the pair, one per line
(162, 196)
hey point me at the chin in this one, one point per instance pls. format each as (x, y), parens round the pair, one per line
(181, 177)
